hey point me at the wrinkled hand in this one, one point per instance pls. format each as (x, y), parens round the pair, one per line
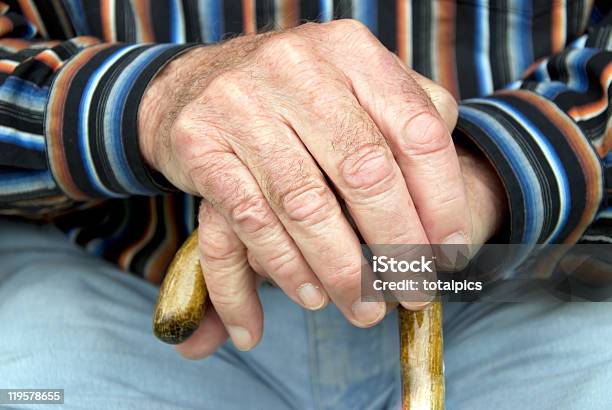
(266, 128)
(488, 209)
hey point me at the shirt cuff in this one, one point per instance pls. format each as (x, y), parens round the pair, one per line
(91, 125)
(552, 174)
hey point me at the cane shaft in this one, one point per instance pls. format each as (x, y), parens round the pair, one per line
(421, 358)
(180, 308)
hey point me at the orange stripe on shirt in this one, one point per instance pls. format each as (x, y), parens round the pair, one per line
(126, 256)
(85, 41)
(288, 13)
(6, 25)
(593, 108)
(107, 18)
(143, 15)
(249, 23)
(50, 59)
(8, 66)
(605, 145)
(54, 122)
(558, 32)
(403, 31)
(14, 44)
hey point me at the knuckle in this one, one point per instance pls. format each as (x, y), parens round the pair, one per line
(308, 202)
(229, 87)
(216, 246)
(220, 251)
(288, 45)
(185, 143)
(386, 61)
(228, 287)
(252, 215)
(182, 131)
(356, 35)
(223, 82)
(324, 90)
(213, 177)
(308, 25)
(370, 168)
(350, 26)
(224, 296)
(424, 134)
(283, 264)
(345, 276)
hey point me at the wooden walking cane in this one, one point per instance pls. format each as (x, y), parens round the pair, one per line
(181, 303)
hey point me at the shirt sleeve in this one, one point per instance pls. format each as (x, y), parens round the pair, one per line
(68, 119)
(549, 138)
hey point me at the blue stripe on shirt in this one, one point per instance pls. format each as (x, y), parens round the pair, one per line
(113, 121)
(327, 10)
(211, 16)
(366, 11)
(483, 64)
(22, 139)
(78, 17)
(84, 107)
(18, 182)
(24, 94)
(520, 165)
(177, 22)
(553, 160)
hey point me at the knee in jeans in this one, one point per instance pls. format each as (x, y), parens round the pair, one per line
(45, 288)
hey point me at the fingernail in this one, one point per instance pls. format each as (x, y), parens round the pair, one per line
(455, 239)
(311, 296)
(368, 313)
(241, 337)
(451, 249)
(420, 305)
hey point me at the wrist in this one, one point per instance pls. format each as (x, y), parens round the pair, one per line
(165, 95)
(487, 198)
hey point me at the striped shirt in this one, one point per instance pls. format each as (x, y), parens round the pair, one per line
(533, 78)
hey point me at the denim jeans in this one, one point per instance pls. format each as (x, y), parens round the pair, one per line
(69, 320)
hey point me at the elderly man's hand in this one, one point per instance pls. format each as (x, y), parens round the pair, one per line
(267, 128)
